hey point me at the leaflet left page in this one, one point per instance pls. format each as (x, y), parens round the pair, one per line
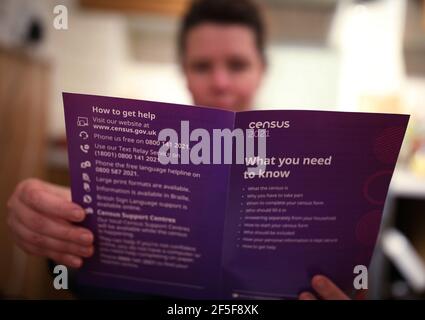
(158, 228)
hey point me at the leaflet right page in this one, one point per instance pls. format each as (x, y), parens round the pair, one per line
(315, 204)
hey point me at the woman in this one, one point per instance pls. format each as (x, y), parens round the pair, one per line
(221, 52)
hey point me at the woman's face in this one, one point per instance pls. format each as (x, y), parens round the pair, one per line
(222, 65)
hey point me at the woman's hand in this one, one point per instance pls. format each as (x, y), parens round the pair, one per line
(325, 289)
(41, 217)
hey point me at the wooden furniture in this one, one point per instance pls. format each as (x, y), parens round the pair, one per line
(24, 94)
(166, 7)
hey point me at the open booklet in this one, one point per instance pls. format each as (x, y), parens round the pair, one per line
(212, 229)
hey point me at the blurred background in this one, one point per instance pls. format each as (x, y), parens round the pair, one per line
(346, 55)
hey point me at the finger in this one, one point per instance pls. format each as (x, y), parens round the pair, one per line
(60, 191)
(40, 199)
(307, 296)
(60, 258)
(327, 289)
(50, 244)
(58, 229)
(66, 259)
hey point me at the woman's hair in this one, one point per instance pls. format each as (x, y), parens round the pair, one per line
(242, 12)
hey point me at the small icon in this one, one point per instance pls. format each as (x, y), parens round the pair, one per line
(84, 135)
(85, 148)
(85, 164)
(82, 121)
(89, 210)
(87, 199)
(86, 187)
(86, 177)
